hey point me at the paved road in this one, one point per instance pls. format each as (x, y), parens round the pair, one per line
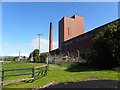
(89, 84)
(85, 85)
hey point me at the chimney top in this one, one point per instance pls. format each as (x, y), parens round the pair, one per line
(50, 24)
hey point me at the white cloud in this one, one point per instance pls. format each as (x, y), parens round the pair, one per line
(26, 49)
(6, 44)
(44, 44)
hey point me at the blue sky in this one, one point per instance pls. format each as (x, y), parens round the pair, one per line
(21, 21)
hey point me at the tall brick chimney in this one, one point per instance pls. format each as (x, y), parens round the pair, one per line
(50, 38)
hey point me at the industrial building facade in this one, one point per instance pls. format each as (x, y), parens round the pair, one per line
(70, 28)
(72, 38)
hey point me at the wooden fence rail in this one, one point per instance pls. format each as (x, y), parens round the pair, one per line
(43, 72)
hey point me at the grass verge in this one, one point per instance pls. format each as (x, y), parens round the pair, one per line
(62, 74)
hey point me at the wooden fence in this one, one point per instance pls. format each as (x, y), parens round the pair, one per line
(41, 72)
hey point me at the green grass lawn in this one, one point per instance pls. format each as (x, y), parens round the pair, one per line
(13, 65)
(61, 74)
(16, 65)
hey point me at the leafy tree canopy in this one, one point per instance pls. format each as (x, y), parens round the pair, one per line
(107, 45)
(35, 55)
(43, 57)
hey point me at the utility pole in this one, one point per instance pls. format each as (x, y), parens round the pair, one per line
(39, 41)
(19, 56)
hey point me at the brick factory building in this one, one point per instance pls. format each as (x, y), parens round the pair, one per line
(73, 39)
(70, 28)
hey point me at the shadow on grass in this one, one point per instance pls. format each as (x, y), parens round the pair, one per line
(81, 67)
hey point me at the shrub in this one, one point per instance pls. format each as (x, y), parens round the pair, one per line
(107, 46)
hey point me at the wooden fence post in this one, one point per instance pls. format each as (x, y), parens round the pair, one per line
(55, 59)
(47, 61)
(46, 68)
(2, 77)
(33, 73)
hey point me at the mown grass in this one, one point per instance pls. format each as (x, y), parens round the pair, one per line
(16, 65)
(62, 74)
(13, 65)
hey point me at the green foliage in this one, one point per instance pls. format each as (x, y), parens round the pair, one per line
(11, 58)
(30, 56)
(38, 58)
(43, 57)
(36, 55)
(107, 46)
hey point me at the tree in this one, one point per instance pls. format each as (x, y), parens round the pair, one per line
(43, 57)
(38, 58)
(107, 45)
(36, 55)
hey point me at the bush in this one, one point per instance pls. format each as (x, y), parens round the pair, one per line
(43, 57)
(107, 46)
